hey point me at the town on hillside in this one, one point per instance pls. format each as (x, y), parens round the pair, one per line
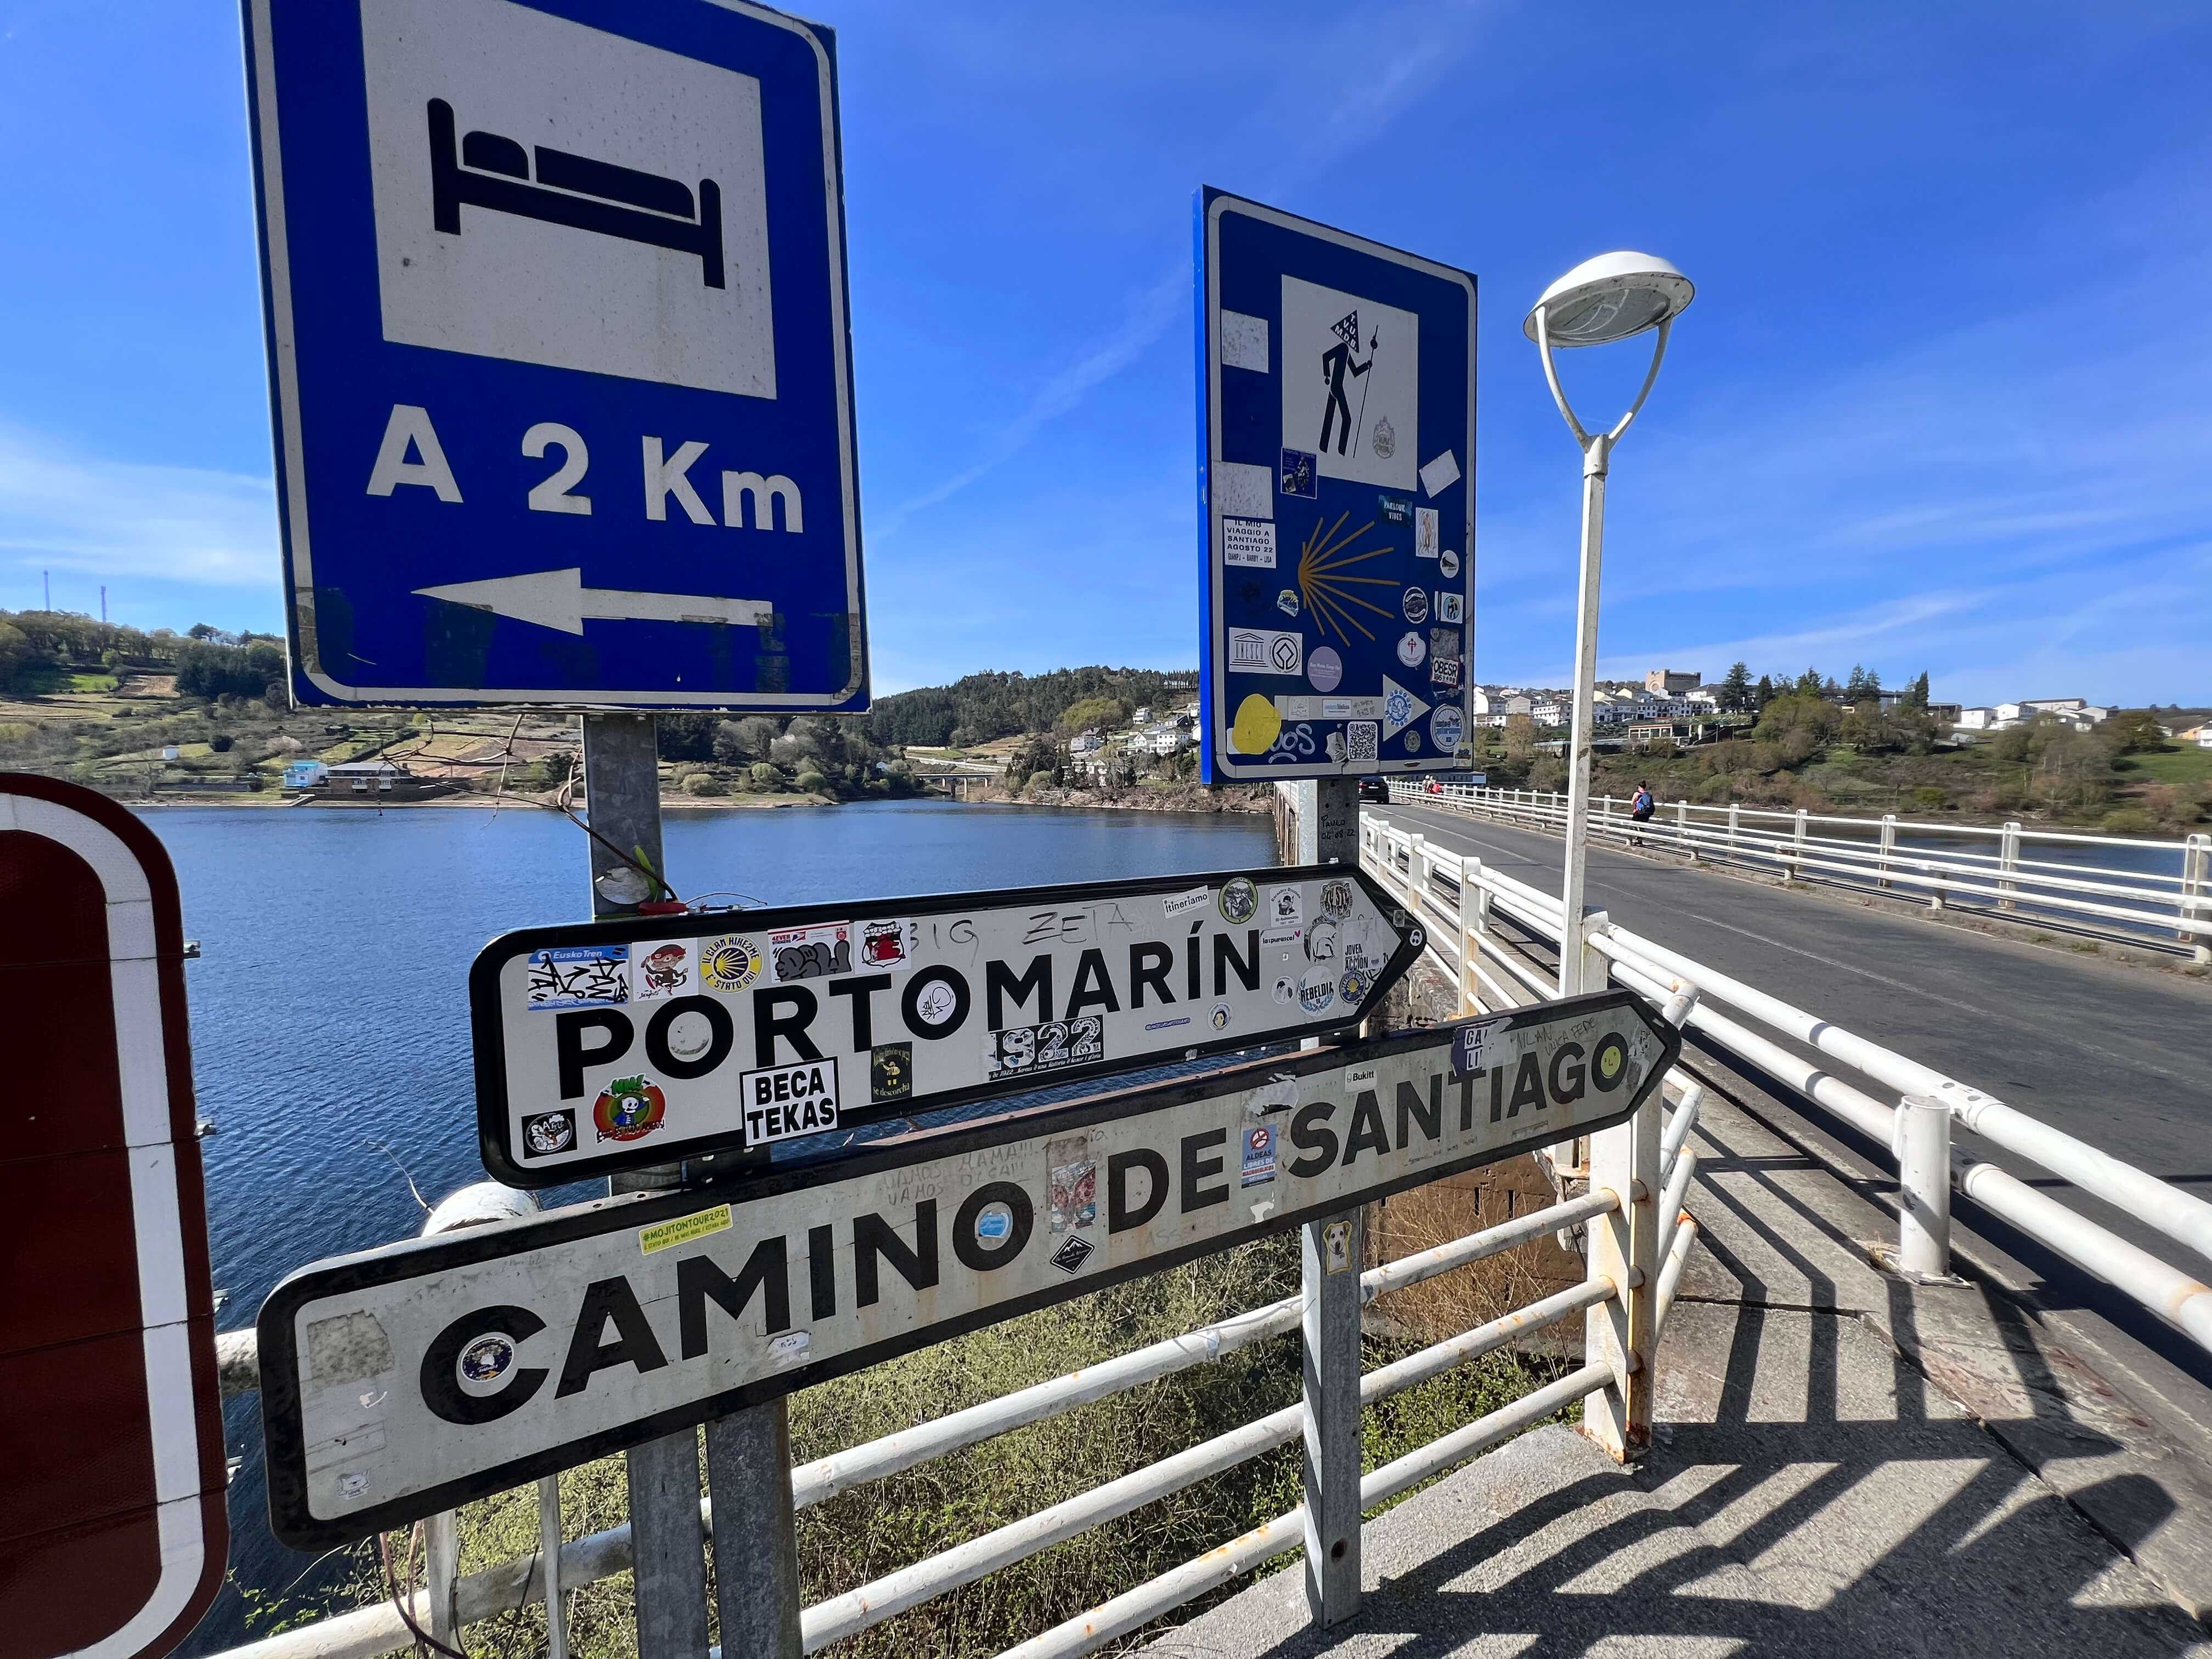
(203, 715)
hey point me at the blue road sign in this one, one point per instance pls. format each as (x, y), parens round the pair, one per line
(1336, 490)
(558, 352)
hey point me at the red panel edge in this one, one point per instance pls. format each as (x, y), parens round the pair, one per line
(153, 859)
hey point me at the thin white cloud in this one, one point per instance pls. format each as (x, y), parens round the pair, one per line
(1152, 312)
(1432, 41)
(62, 511)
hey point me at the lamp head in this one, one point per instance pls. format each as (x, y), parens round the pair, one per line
(1610, 298)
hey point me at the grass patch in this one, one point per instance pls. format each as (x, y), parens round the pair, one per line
(2174, 763)
(46, 680)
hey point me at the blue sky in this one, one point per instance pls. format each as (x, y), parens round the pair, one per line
(1944, 400)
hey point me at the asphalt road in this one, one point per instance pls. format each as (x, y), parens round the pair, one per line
(2117, 1055)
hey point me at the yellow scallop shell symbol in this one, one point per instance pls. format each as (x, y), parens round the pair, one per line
(1257, 724)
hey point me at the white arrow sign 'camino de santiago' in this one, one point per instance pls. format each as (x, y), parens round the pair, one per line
(614, 1045)
(411, 1379)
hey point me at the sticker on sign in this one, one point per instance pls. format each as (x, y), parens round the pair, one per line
(511, 1350)
(615, 1045)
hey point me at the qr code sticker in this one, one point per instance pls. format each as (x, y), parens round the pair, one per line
(1363, 740)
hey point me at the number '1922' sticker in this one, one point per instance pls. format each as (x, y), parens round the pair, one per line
(1021, 1050)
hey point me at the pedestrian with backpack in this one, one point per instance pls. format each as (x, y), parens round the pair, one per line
(1641, 807)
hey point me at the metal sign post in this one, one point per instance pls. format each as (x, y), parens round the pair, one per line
(422, 1374)
(112, 1525)
(559, 353)
(1336, 467)
(1331, 1253)
(622, 799)
(625, 1044)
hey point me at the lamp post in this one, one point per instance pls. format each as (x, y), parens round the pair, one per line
(1612, 297)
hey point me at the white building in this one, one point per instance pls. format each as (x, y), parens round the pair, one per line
(2076, 712)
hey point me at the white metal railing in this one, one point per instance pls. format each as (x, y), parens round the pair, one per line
(1461, 899)
(2162, 907)
(495, 1592)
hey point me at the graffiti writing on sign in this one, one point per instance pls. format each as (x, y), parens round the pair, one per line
(579, 976)
(797, 953)
(1051, 1046)
(1293, 743)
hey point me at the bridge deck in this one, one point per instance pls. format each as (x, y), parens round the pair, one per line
(2113, 1054)
(1811, 1490)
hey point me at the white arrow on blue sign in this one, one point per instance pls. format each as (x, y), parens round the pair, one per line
(559, 353)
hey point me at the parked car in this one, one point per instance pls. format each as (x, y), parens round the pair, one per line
(1374, 789)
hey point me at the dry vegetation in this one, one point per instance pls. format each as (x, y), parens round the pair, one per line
(861, 1534)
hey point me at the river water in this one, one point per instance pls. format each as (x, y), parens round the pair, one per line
(330, 1014)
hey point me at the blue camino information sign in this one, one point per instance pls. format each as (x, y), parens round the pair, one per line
(559, 355)
(1336, 484)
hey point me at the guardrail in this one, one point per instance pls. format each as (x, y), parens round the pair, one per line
(1464, 901)
(450, 1602)
(2159, 908)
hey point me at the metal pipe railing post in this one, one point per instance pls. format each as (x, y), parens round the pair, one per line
(1924, 1186)
(1798, 849)
(1623, 1249)
(548, 1557)
(1330, 1260)
(1470, 921)
(441, 1573)
(1683, 828)
(2196, 882)
(1888, 846)
(1734, 810)
(2008, 866)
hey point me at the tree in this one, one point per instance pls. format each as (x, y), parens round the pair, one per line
(1916, 693)
(1855, 690)
(233, 670)
(1808, 684)
(1036, 756)
(748, 739)
(2132, 732)
(1105, 712)
(1763, 693)
(15, 652)
(1735, 690)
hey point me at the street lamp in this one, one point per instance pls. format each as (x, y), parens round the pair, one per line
(1611, 297)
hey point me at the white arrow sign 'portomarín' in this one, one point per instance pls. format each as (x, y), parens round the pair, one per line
(558, 598)
(614, 1045)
